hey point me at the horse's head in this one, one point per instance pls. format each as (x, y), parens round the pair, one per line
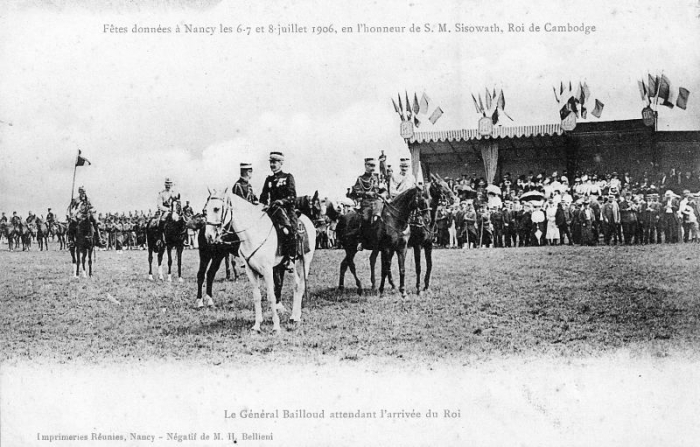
(421, 205)
(440, 190)
(217, 215)
(196, 222)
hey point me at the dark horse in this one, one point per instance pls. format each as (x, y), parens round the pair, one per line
(210, 257)
(42, 234)
(389, 234)
(174, 236)
(423, 227)
(59, 229)
(81, 242)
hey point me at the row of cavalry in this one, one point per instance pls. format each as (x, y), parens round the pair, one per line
(231, 227)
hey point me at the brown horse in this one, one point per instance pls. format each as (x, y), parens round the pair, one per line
(388, 235)
(59, 229)
(42, 234)
(81, 238)
(174, 236)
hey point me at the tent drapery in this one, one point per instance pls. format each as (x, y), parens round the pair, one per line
(415, 163)
(489, 154)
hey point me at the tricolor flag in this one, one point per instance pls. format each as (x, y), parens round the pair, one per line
(80, 161)
(401, 108)
(488, 100)
(586, 91)
(555, 94)
(598, 109)
(494, 117)
(416, 106)
(561, 88)
(501, 101)
(436, 115)
(424, 103)
(682, 100)
(481, 105)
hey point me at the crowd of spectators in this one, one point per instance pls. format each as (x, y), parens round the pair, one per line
(587, 208)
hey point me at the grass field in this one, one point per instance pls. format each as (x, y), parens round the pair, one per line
(484, 304)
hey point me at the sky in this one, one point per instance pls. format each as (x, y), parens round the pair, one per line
(192, 106)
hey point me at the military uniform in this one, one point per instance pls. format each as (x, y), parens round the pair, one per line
(401, 182)
(81, 209)
(243, 189)
(279, 193)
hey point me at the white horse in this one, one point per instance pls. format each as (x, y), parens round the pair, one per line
(259, 249)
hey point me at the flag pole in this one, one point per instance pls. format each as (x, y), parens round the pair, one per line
(72, 188)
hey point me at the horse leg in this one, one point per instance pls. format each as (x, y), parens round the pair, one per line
(161, 251)
(170, 262)
(211, 273)
(89, 253)
(353, 270)
(299, 286)
(372, 263)
(343, 268)
(257, 298)
(180, 248)
(228, 267)
(401, 258)
(269, 279)
(203, 263)
(83, 255)
(150, 263)
(416, 259)
(386, 266)
(278, 276)
(428, 264)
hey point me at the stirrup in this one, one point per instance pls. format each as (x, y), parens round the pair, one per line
(359, 247)
(289, 265)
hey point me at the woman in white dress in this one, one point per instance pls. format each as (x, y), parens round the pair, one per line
(552, 229)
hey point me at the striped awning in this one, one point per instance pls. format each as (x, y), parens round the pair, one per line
(498, 132)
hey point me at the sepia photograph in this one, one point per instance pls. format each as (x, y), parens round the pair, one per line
(388, 223)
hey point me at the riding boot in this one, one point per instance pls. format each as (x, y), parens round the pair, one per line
(290, 249)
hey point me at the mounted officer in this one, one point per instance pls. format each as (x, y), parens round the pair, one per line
(279, 194)
(50, 218)
(165, 200)
(403, 180)
(80, 209)
(242, 186)
(366, 191)
(16, 220)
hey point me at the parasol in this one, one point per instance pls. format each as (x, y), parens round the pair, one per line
(493, 189)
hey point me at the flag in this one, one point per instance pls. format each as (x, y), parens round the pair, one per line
(555, 94)
(396, 108)
(682, 100)
(494, 94)
(564, 111)
(424, 103)
(665, 91)
(487, 98)
(481, 105)
(436, 115)
(642, 90)
(494, 117)
(561, 88)
(476, 105)
(653, 86)
(584, 112)
(416, 121)
(501, 101)
(416, 106)
(80, 161)
(401, 108)
(598, 109)
(577, 95)
(408, 108)
(581, 94)
(586, 91)
(572, 105)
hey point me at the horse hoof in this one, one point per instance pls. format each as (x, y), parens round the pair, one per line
(210, 302)
(341, 287)
(180, 280)
(359, 291)
(150, 277)
(418, 292)
(200, 303)
(160, 277)
(255, 331)
(170, 278)
(292, 325)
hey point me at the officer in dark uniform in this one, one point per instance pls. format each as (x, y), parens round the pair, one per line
(242, 187)
(366, 191)
(279, 194)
